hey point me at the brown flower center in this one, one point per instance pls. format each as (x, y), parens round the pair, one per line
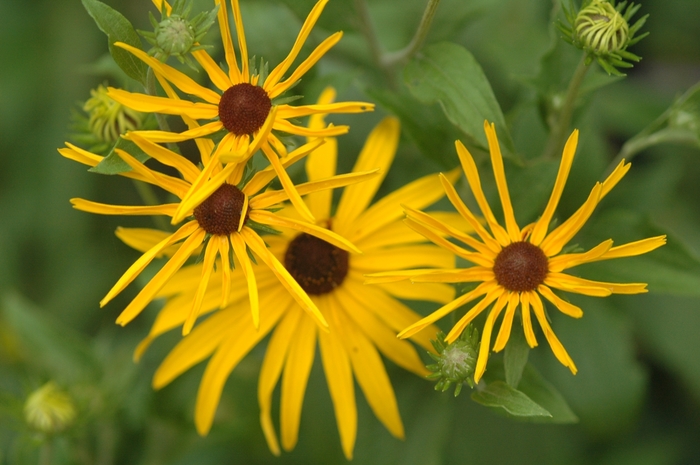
(243, 108)
(318, 267)
(520, 267)
(220, 214)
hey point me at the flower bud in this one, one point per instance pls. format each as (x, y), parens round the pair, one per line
(601, 28)
(109, 119)
(175, 35)
(49, 409)
(455, 362)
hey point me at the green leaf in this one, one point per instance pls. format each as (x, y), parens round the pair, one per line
(498, 394)
(545, 394)
(515, 356)
(113, 163)
(448, 74)
(426, 126)
(48, 344)
(671, 269)
(118, 29)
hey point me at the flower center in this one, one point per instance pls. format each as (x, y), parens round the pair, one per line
(220, 214)
(243, 108)
(317, 266)
(520, 267)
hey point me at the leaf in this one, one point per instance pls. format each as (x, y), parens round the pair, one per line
(118, 29)
(515, 356)
(47, 343)
(426, 126)
(500, 395)
(671, 269)
(113, 163)
(609, 389)
(545, 394)
(448, 74)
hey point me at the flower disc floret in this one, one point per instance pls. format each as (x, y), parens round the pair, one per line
(520, 267)
(318, 267)
(243, 108)
(221, 213)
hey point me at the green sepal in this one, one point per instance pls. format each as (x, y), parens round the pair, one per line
(113, 163)
(261, 228)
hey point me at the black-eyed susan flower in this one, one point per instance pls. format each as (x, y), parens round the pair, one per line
(362, 320)
(515, 266)
(244, 100)
(224, 222)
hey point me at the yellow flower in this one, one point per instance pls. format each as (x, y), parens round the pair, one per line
(225, 217)
(363, 320)
(515, 266)
(244, 101)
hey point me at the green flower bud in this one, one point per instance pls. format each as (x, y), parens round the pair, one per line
(109, 119)
(175, 36)
(49, 409)
(455, 362)
(601, 28)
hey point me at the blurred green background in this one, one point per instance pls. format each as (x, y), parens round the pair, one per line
(638, 389)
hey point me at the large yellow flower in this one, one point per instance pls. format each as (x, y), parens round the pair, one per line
(516, 266)
(244, 101)
(223, 220)
(362, 320)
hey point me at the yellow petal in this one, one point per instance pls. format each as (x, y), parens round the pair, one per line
(408, 256)
(142, 239)
(611, 181)
(225, 271)
(188, 170)
(241, 252)
(525, 298)
(271, 219)
(270, 371)
(501, 183)
(485, 343)
(564, 262)
(496, 292)
(215, 73)
(459, 275)
(557, 347)
(149, 291)
(229, 52)
(291, 112)
(194, 197)
(378, 152)
(563, 306)
(138, 266)
(154, 104)
(180, 80)
(240, 33)
(463, 210)
(567, 159)
(75, 153)
(300, 358)
(433, 292)
(482, 289)
(210, 252)
(634, 248)
(267, 199)
(507, 323)
(288, 185)
(105, 209)
(200, 344)
(557, 239)
(594, 288)
(417, 194)
(258, 246)
(399, 351)
(435, 238)
(336, 365)
(169, 137)
(469, 167)
(276, 74)
(242, 338)
(330, 131)
(171, 184)
(371, 376)
(306, 65)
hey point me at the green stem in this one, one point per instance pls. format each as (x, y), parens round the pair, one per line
(642, 141)
(557, 137)
(46, 452)
(370, 33)
(392, 59)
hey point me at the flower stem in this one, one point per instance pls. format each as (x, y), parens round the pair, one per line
(392, 59)
(388, 62)
(46, 452)
(643, 141)
(557, 136)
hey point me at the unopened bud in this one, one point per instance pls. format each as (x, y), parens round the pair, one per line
(49, 409)
(601, 28)
(455, 362)
(109, 119)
